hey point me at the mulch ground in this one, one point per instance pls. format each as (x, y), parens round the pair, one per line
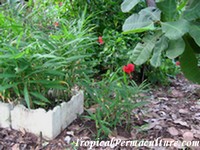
(173, 113)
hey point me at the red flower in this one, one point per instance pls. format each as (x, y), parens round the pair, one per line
(129, 68)
(100, 40)
(60, 4)
(178, 63)
(56, 24)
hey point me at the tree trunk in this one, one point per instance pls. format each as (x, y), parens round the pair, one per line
(151, 3)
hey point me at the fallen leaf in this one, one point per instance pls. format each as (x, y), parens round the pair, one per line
(197, 116)
(176, 93)
(67, 139)
(183, 123)
(173, 131)
(183, 111)
(74, 127)
(188, 136)
(93, 108)
(15, 147)
(70, 133)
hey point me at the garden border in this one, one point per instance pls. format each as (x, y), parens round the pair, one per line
(48, 123)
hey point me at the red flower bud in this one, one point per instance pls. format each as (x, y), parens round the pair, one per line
(178, 63)
(56, 24)
(100, 40)
(60, 4)
(129, 68)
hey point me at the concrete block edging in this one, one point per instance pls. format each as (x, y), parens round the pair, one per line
(49, 123)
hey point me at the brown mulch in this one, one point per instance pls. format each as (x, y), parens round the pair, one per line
(173, 113)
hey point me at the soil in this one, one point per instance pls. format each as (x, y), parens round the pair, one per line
(173, 113)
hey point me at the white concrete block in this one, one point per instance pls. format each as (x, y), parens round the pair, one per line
(71, 109)
(50, 123)
(5, 114)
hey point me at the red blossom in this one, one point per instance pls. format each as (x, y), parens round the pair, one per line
(129, 68)
(56, 24)
(100, 40)
(178, 63)
(60, 4)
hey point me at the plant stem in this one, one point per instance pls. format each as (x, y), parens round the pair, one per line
(151, 3)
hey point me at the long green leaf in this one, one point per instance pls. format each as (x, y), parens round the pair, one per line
(26, 96)
(5, 87)
(6, 75)
(40, 96)
(160, 46)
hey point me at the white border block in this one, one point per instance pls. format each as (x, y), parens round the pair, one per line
(5, 114)
(50, 123)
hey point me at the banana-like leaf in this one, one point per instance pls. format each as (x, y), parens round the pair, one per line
(142, 51)
(189, 64)
(168, 8)
(195, 32)
(143, 21)
(160, 46)
(151, 13)
(137, 23)
(193, 44)
(127, 5)
(176, 48)
(175, 30)
(192, 10)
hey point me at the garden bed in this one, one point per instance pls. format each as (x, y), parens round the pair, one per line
(40, 122)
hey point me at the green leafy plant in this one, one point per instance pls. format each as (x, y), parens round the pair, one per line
(161, 75)
(115, 101)
(41, 63)
(171, 28)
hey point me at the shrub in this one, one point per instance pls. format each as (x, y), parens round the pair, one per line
(39, 58)
(171, 29)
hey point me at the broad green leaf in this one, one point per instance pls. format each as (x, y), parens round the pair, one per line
(137, 23)
(193, 44)
(151, 13)
(176, 48)
(141, 22)
(26, 96)
(189, 64)
(160, 46)
(195, 32)
(142, 51)
(192, 10)
(40, 96)
(168, 8)
(175, 30)
(127, 5)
